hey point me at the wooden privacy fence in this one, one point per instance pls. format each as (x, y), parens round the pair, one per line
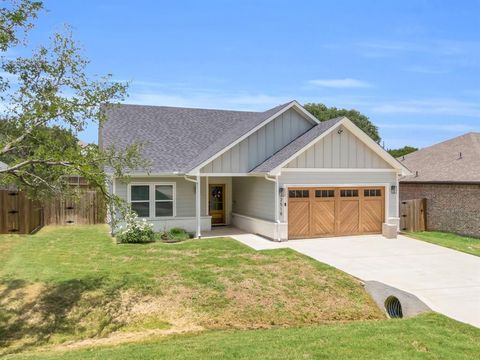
(413, 215)
(87, 208)
(19, 214)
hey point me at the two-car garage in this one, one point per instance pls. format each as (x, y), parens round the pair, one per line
(334, 211)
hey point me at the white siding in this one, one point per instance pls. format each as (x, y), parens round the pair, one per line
(339, 178)
(262, 144)
(254, 196)
(336, 150)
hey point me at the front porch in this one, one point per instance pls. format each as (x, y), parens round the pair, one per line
(240, 204)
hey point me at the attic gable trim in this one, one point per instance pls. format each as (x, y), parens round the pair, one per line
(359, 134)
(293, 104)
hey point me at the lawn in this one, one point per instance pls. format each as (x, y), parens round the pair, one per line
(429, 336)
(76, 286)
(466, 244)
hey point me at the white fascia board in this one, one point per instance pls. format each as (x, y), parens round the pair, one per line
(306, 170)
(306, 113)
(294, 104)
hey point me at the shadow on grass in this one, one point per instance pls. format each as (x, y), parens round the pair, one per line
(31, 317)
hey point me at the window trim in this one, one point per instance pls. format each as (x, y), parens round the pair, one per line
(152, 201)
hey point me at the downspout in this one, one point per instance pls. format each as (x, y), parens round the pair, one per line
(197, 203)
(277, 203)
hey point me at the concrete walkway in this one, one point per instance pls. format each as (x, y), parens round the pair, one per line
(447, 281)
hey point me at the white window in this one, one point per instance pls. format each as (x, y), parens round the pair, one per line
(140, 200)
(153, 200)
(163, 200)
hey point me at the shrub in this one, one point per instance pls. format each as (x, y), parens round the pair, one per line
(174, 235)
(135, 230)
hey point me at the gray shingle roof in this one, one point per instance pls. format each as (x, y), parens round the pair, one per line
(442, 162)
(299, 143)
(177, 139)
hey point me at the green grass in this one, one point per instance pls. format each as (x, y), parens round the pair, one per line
(66, 284)
(429, 336)
(465, 244)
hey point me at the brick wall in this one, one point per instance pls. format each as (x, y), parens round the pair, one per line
(450, 207)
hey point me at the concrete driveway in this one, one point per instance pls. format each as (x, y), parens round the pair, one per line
(446, 280)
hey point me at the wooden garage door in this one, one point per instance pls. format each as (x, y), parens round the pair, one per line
(318, 212)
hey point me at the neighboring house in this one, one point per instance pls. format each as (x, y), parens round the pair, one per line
(448, 176)
(279, 173)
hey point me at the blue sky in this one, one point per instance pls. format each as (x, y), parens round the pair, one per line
(413, 66)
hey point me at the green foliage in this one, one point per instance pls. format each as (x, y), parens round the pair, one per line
(396, 153)
(49, 99)
(174, 235)
(323, 113)
(15, 18)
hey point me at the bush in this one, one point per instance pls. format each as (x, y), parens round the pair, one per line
(135, 231)
(174, 235)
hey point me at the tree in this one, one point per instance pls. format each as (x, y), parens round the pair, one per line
(323, 113)
(396, 153)
(48, 99)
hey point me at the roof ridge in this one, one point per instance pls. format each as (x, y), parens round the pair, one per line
(199, 108)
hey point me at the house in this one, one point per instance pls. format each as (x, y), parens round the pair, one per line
(279, 173)
(448, 176)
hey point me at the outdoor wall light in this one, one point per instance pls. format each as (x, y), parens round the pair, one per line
(393, 189)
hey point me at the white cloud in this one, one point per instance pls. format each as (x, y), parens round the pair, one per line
(447, 107)
(340, 83)
(455, 128)
(426, 70)
(438, 47)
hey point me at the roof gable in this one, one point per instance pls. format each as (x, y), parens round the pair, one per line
(281, 159)
(454, 160)
(260, 145)
(339, 149)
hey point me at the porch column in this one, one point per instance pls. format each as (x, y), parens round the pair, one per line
(198, 206)
(277, 200)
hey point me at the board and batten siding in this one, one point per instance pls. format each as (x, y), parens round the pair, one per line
(254, 197)
(185, 193)
(339, 150)
(339, 178)
(260, 145)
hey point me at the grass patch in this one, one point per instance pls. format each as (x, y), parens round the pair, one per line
(429, 336)
(465, 244)
(68, 284)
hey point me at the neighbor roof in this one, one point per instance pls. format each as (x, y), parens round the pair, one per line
(454, 160)
(296, 145)
(178, 139)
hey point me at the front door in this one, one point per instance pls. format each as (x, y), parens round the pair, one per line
(217, 203)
